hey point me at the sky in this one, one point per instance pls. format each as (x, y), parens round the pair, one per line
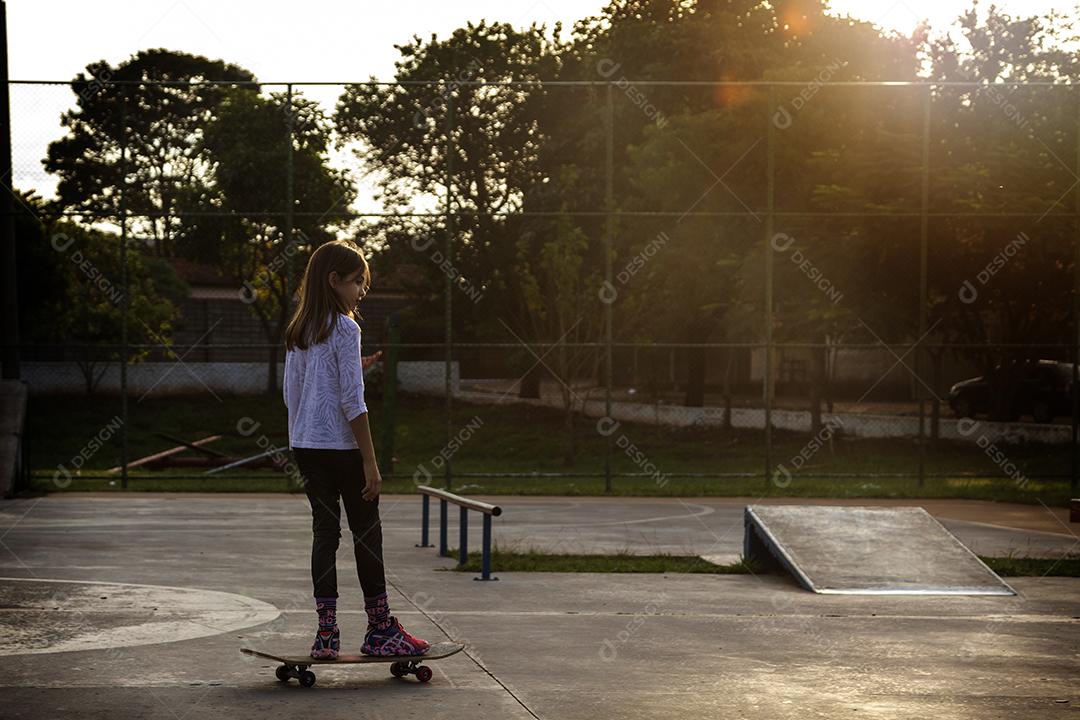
(316, 40)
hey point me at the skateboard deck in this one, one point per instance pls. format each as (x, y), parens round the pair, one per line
(296, 666)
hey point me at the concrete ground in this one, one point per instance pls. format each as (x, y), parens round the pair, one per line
(145, 600)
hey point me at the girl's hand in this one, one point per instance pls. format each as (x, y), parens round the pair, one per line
(372, 480)
(367, 361)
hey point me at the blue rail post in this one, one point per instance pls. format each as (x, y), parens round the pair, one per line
(485, 565)
(425, 514)
(442, 527)
(465, 504)
(463, 538)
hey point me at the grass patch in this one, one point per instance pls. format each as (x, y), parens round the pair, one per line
(623, 562)
(533, 561)
(1034, 567)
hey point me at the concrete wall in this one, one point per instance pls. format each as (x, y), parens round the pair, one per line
(13, 394)
(868, 366)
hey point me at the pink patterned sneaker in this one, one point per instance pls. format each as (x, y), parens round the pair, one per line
(392, 640)
(327, 643)
(328, 638)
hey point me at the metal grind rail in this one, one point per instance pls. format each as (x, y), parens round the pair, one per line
(465, 504)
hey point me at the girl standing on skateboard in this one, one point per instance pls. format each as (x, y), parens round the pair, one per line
(331, 443)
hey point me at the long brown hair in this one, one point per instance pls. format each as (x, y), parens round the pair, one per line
(319, 305)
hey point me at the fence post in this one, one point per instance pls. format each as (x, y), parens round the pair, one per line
(389, 398)
(770, 192)
(463, 535)
(924, 226)
(289, 192)
(449, 287)
(609, 197)
(442, 527)
(290, 203)
(425, 517)
(1075, 460)
(124, 279)
(485, 551)
(10, 323)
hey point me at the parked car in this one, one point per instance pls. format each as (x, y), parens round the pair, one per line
(1040, 388)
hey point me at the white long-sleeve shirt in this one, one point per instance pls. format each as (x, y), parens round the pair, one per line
(324, 389)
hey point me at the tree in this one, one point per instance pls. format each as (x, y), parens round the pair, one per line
(987, 156)
(88, 314)
(559, 287)
(247, 148)
(158, 124)
(698, 288)
(402, 133)
(41, 282)
(1004, 150)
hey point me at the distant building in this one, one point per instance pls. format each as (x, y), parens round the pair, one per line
(215, 314)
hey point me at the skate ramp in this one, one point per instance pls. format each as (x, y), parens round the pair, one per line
(866, 551)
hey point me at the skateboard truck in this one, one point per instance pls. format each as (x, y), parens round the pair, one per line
(411, 667)
(398, 669)
(300, 672)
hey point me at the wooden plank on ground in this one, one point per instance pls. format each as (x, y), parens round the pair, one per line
(163, 454)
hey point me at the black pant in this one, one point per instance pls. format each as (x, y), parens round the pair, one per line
(328, 475)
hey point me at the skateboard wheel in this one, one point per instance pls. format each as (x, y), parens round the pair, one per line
(282, 673)
(307, 678)
(397, 669)
(423, 673)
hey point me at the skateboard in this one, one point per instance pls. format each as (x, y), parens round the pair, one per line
(296, 666)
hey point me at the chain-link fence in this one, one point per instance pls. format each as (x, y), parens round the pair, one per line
(600, 280)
